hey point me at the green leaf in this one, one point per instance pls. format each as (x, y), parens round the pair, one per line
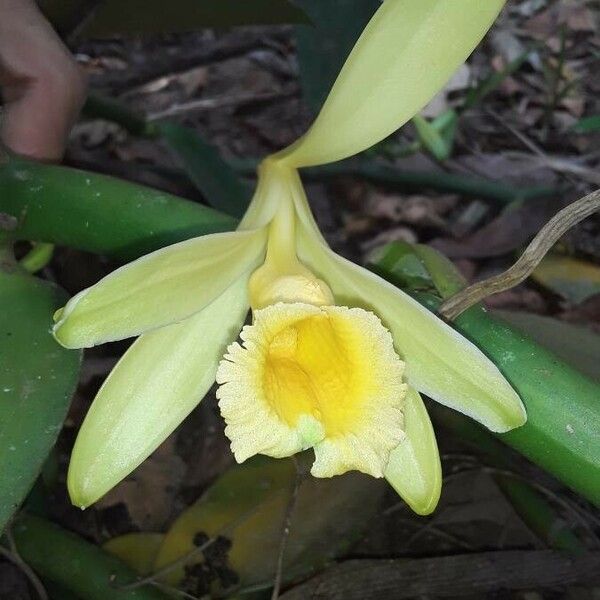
(98, 213)
(573, 279)
(247, 505)
(217, 181)
(150, 16)
(324, 46)
(532, 506)
(495, 79)
(587, 124)
(399, 259)
(82, 568)
(431, 138)
(37, 380)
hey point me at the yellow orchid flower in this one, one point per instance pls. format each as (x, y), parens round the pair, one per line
(335, 356)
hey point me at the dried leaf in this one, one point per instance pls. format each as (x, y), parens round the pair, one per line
(509, 231)
(247, 506)
(149, 491)
(573, 279)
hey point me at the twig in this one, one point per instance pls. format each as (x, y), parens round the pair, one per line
(14, 557)
(580, 515)
(203, 51)
(432, 528)
(204, 104)
(529, 260)
(285, 532)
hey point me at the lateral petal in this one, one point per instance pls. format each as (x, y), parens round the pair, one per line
(159, 289)
(439, 361)
(414, 468)
(154, 386)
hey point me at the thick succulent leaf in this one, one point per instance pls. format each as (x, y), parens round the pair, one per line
(414, 468)
(155, 385)
(407, 52)
(37, 380)
(159, 289)
(439, 361)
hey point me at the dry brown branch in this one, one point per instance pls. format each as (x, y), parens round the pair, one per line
(450, 576)
(528, 261)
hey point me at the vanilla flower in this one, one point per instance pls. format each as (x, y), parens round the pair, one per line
(335, 356)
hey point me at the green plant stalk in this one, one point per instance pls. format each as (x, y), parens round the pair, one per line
(82, 568)
(98, 213)
(101, 107)
(38, 257)
(529, 504)
(563, 413)
(417, 180)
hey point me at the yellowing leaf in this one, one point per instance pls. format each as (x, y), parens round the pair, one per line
(247, 505)
(138, 550)
(574, 279)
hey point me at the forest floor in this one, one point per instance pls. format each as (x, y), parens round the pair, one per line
(241, 90)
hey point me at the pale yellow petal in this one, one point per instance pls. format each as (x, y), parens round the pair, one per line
(158, 381)
(403, 58)
(439, 361)
(414, 468)
(159, 289)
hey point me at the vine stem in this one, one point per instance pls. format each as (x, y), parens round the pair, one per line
(285, 531)
(528, 261)
(13, 556)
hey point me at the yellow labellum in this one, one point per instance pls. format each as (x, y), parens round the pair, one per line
(322, 377)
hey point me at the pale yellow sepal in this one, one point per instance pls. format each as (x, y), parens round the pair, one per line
(440, 362)
(159, 289)
(405, 55)
(154, 386)
(321, 377)
(414, 468)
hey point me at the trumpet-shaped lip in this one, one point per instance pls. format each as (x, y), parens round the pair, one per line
(322, 377)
